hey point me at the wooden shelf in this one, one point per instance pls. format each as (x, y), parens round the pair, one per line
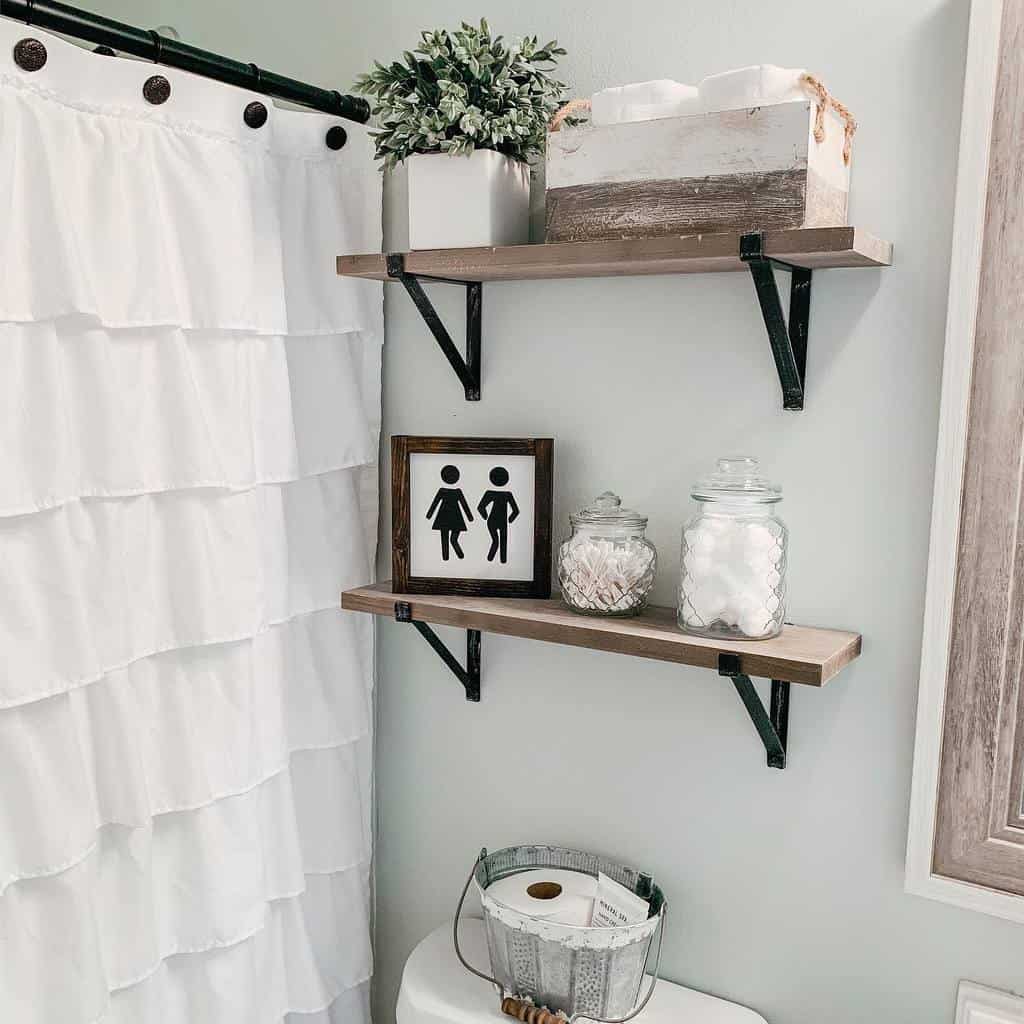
(810, 248)
(800, 251)
(801, 654)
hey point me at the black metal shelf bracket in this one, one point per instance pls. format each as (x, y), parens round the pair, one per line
(789, 344)
(773, 725)
(466, 369)
(468, 676)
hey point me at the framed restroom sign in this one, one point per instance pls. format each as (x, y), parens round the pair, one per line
(471, 515)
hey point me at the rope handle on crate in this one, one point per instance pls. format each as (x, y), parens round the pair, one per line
(810, 82)
(825, 99)
(527, 1012)
(567, 110)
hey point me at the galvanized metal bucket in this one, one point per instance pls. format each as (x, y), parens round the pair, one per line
(593, 973)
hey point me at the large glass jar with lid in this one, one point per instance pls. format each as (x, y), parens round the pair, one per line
(607, 565)
(733, 572)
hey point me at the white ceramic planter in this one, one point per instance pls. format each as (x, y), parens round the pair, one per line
(437, 201)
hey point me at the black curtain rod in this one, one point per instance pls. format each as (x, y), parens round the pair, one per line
(152, 46)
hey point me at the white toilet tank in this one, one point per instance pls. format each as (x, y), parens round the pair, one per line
(437, 989)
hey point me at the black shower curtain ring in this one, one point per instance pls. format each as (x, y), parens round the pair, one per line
(257, 75)
(29, 4)
(158, 44)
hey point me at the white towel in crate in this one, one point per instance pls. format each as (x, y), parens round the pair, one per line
(759, 85)
(643, 101)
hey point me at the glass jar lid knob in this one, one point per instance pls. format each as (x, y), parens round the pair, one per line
(737, 476)
(606, 510)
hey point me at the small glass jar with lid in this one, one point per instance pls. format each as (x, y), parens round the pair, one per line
(607, 565)
(733, 572)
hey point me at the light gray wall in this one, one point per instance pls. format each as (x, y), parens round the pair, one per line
(786, 886)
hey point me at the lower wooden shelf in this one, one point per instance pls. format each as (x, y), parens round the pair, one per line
(801, 654)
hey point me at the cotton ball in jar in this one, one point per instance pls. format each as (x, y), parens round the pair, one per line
(755, 622)
(716, 531)
(758, 538)
(733, 580)
(755, 573)
(745, 599)
(695, 537)
(708, 602)
(698, 565)
(730, 616)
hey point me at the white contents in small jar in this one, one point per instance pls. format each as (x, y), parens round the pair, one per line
(601, 575)
(607, 565)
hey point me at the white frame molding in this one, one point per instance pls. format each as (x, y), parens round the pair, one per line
(976, 1004)
(965, 271)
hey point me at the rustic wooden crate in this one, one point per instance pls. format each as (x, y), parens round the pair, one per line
(743, 170)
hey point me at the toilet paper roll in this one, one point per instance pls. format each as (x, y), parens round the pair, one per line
(551, 894)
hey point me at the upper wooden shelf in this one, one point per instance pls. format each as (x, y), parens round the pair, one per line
(812, 248)
(801, 654)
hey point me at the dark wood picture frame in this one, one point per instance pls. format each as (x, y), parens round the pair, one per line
(542, 451)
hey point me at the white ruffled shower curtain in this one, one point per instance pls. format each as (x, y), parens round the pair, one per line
(189, 421)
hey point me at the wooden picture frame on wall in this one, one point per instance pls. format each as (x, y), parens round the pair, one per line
(471, 515)
(966, 835)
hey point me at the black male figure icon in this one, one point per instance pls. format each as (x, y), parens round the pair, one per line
(503, 510)
(449, 503)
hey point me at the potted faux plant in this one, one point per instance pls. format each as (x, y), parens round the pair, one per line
(458, 120)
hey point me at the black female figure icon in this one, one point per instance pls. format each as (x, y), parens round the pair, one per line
(449, 502)
(503, 511)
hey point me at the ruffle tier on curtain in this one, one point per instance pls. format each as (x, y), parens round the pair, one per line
(189, 426)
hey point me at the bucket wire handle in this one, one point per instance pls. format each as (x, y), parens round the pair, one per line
(455, 928)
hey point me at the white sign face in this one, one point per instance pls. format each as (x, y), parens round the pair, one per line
(471, 516)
